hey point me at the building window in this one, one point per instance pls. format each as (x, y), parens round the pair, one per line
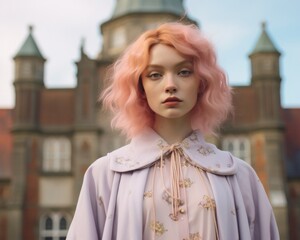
(57, 155)
(239, 146)
(26, 69)
(54, 226)
(119, 38)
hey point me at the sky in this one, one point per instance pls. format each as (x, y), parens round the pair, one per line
(233, 26)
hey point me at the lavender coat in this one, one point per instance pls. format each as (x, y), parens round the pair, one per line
(111, 199)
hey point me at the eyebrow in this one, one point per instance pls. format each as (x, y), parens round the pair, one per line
(176, 65)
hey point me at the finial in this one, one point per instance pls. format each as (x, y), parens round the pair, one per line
(82, 45)
(30, 28)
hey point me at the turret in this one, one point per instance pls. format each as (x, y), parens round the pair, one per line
(86, 92)
(28, 82)
(268, 163)
(266, 78)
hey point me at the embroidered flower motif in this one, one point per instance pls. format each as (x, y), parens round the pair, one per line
(193, 137)
(205, 151)
(166, 196)
(185, 163)
(158, 228)
(207, 202)
(160, 164)
(232, 212)
(218, 165)
(160, 144)
(185, 143)
(186, 183)
(193, 236)
(148, 194)
(126, 161)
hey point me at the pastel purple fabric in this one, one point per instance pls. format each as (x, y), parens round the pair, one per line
(110, 205)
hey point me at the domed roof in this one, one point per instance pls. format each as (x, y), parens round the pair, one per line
(124, 7)
(29, 47)
(264, 43)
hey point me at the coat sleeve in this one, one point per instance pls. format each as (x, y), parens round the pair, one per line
(90, 214)
(259, 211)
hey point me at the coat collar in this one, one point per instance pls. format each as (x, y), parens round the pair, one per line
(147, 148)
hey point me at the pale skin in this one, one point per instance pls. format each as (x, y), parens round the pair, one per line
(171, 88)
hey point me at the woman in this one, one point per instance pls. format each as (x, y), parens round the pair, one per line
(166, 91)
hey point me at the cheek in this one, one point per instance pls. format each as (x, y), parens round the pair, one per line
(194, 94)
(194, 91)
(149, 94)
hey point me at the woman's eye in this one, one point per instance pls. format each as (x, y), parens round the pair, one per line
(154, 76)
(185, 73)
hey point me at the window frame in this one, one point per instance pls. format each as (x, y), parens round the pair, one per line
(55, 233)
(237, 142)
(57, 155)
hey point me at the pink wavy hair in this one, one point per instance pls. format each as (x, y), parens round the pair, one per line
(126, 100)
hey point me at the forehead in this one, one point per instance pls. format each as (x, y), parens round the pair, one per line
(162, 55)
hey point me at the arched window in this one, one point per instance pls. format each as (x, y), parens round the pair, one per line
(48, 223)
(239, 146)
(57, 155)
(54, 226)
(63, 223)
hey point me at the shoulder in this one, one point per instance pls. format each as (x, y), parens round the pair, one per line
(102, 166)
(244, 169)
(247, 177)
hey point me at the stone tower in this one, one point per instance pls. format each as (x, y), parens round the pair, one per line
(266, 81)
(266, 78)
(131, 18)
(28, 83)
(29, 80)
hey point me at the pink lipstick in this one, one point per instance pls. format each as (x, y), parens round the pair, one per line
(172, 101)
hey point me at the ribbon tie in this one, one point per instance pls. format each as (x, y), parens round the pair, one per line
(175, 152)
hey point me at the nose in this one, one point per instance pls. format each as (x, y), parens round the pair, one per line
(171, 89)
(170, 85)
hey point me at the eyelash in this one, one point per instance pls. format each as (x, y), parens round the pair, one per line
(182, 73)
(154, 75)
(185, 73)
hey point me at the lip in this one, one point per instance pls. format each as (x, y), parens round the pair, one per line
(172, 100)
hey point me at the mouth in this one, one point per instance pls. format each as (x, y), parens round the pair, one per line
(172, 100)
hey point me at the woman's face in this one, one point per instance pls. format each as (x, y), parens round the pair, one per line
(170, 84)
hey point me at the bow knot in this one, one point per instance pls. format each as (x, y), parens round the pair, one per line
(175, 152)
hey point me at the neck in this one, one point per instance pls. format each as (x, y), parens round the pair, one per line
(172, 130)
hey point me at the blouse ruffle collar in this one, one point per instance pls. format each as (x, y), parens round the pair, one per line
(147, 148)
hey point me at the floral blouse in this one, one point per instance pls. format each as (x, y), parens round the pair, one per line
(178, 200)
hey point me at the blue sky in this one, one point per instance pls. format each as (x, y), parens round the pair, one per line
(233, 26)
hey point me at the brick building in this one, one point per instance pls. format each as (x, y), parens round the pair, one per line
(52, 135)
